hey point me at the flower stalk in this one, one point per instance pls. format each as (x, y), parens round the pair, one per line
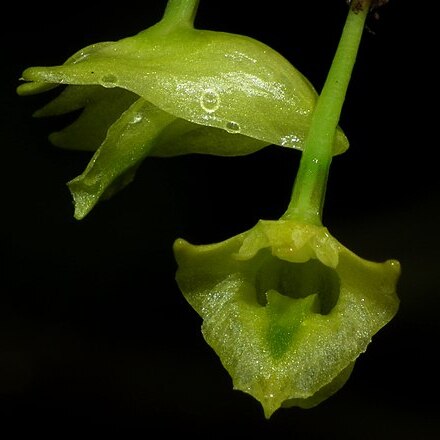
(180, 11)
(309, 188)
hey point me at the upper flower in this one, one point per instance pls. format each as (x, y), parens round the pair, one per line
(287, 308)
(173, 89)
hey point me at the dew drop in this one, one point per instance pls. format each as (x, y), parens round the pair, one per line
(109, 80)
(290, 140)
(210, 101)
(233, 127)
(137, 117)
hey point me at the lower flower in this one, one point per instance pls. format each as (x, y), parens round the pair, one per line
(287, 308)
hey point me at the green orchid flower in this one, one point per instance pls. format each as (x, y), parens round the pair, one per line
(287, 308)
(170, 90)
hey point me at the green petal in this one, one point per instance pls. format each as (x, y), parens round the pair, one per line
(101, 108)
(128, 141)
(215, 79)
(184, 137)
(287, 326)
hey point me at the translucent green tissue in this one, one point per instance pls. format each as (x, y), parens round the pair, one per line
(287, 308)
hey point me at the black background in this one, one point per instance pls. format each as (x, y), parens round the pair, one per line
(94, 333)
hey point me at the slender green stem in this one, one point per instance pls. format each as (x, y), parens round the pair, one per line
(182, 12)
(311, 181)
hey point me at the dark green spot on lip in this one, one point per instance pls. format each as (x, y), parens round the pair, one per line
(285, 316)
(291, 293)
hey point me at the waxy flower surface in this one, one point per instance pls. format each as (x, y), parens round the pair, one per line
(287, 308)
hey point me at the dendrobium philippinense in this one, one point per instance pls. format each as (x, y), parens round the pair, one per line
(287, 308)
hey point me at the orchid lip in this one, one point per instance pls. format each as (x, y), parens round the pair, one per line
(297, 280)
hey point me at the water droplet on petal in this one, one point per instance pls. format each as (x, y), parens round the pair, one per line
(210, 101)
(290, 140)
(137, 117)
(233, 127)
(109, 80)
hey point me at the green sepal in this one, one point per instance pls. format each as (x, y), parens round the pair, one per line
(214, 79)
(287, 308)
(128, 141)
